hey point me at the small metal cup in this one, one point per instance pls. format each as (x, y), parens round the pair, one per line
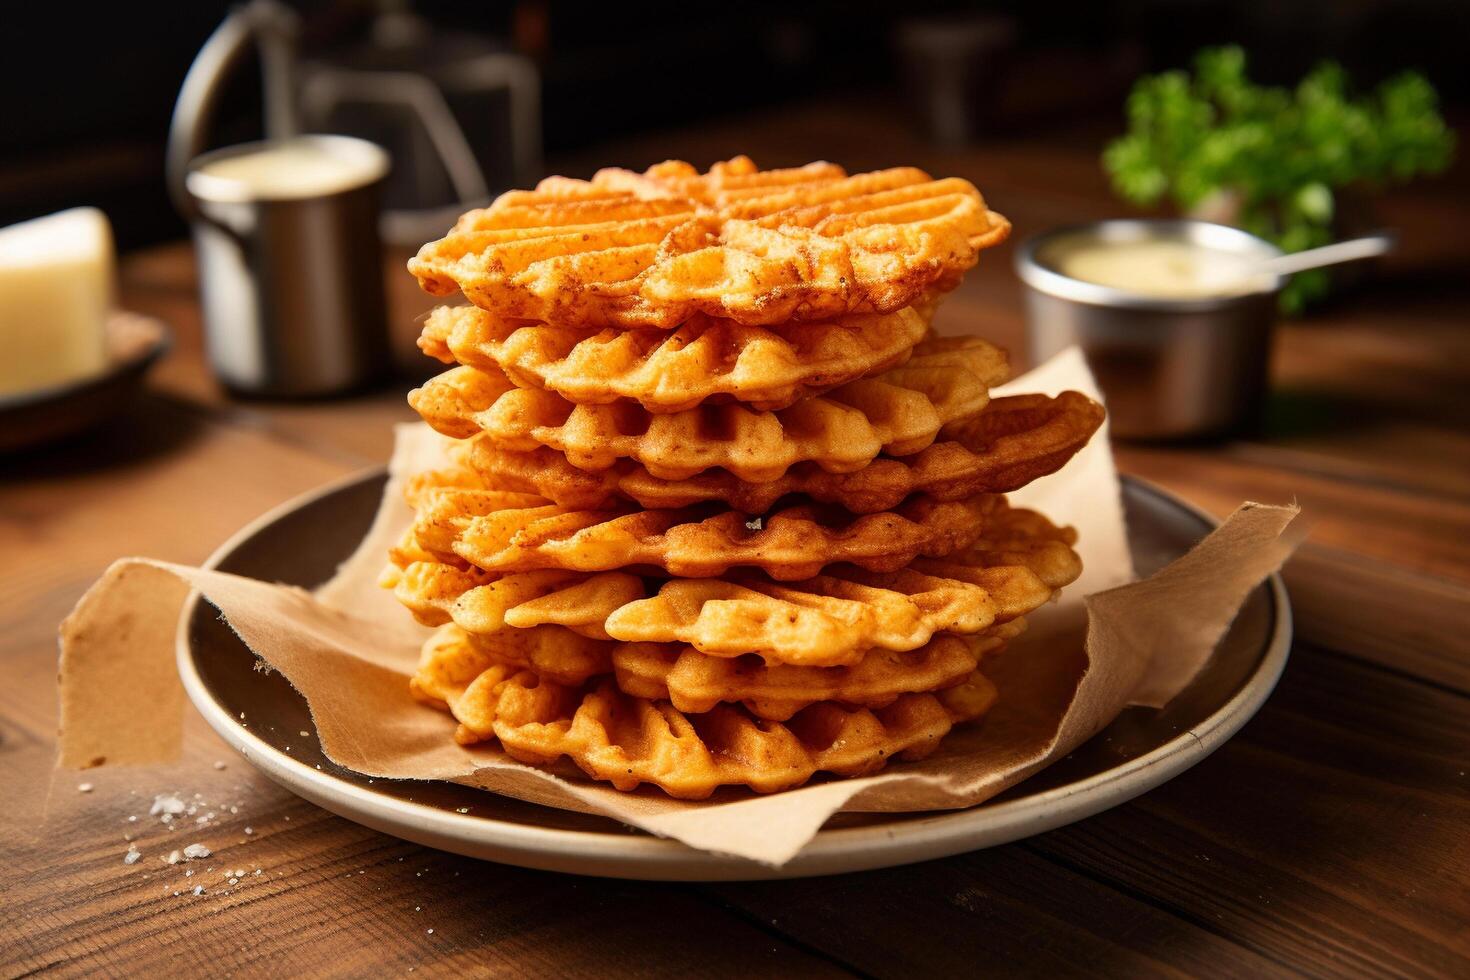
(1170, 368)
(292, 287)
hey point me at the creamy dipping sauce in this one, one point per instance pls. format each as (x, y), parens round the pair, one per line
(1166, 268)
(290, 169)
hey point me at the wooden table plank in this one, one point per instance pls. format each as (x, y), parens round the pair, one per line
(332, 898)
(1329, 835)
(1005, 911)
(1326, 839)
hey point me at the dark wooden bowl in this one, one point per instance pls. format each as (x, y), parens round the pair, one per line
(35, 418)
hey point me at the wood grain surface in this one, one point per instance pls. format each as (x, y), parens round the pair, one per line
(1330, 837)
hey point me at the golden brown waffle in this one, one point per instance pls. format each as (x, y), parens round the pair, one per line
(695, 682)
(1015, 440)
(899, 412)
(792, 543)
(704, 360)
(759, 247)
(628, 740)
(1023, 538)
(832, 619)
(484, 602)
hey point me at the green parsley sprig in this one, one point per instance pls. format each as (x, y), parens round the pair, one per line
(1279, 155)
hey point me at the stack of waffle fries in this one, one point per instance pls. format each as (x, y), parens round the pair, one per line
(722, 511)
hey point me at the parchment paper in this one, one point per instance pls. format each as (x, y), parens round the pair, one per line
(349, 649)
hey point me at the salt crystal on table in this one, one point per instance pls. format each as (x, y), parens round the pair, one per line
(197, 851)
(132, 856)
(303, 734)
(174, 857)
(218, 764)
(250, 830)
(166, 804)
(198, 889)
(84, 787)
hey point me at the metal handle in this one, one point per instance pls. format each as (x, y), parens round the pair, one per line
(274, 27)
(1315, 258)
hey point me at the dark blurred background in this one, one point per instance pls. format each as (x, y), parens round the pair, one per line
(90, 88)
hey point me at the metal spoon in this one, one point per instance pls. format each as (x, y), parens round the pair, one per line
(1316, 258)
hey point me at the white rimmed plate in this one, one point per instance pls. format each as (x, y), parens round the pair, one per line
(303, 541)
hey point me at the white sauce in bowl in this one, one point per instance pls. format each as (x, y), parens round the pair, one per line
(1161, 267)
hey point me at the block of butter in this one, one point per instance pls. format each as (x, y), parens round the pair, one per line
(56, 277)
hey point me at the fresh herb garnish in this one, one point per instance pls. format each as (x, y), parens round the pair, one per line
(1274, 157)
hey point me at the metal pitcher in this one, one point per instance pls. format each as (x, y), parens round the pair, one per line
(291, 283)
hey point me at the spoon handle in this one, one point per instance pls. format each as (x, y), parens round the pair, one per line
(1315, 258)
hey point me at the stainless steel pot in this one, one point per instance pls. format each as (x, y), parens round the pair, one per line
(1170, 368)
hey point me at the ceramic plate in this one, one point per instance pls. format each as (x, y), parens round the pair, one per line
(302, 543)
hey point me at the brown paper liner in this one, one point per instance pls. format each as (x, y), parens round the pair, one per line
(350, 650)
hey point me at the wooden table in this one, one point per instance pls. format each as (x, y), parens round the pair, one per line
(1332, 835)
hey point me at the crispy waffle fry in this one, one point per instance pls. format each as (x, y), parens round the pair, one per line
(792, 543)
(695, 682)
(832, 619)
(1025, 538)
(899, 412)
(487, 602)
(671, 371)
(1015, 440)
(759, 247)
(549, 652)
(627, 740)
(829, 620)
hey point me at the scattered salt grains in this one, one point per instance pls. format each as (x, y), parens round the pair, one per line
(461, 809)
(218, 764)
(174, 857)
(754, 524)
(249, 831)
(188, 872)
(133, 855)
(431, 932)
(303, 734)
(84, 787)
(133, 818)
(198, 889)
(197, 851)
(166, 804)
